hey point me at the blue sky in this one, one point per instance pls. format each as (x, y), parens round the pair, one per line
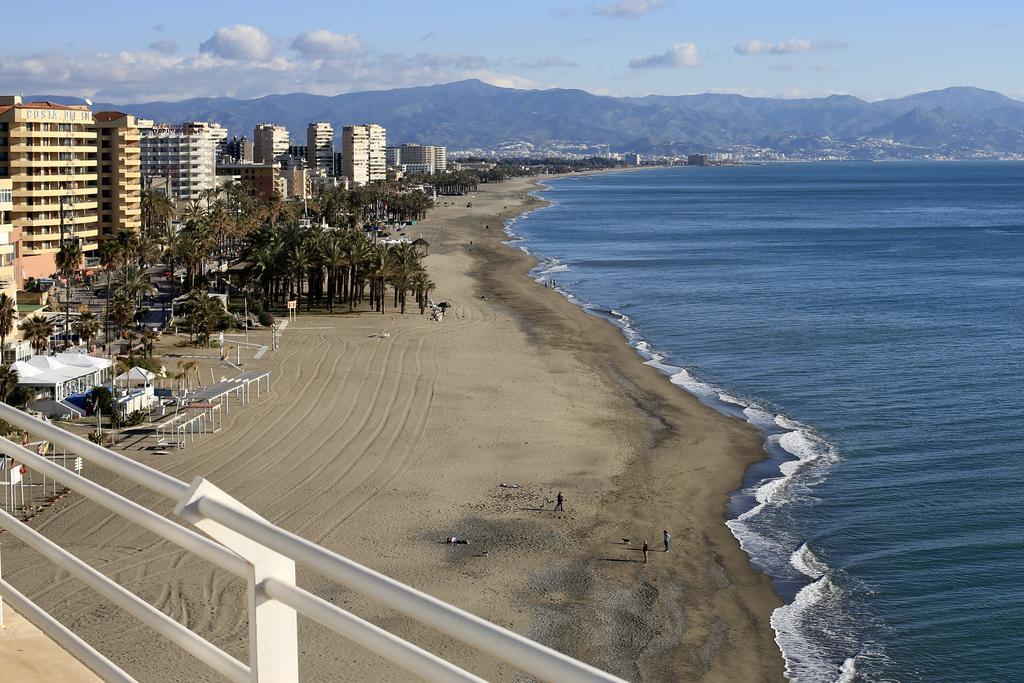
(799, 48)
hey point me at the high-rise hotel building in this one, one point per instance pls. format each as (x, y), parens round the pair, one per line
(119, 161)
(426, 159)
(184, 156)
(48, 152)
(269, 143)
(364, 155)
(320, 148)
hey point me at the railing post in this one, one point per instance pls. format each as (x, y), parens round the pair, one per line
(273, 628)
(1, 597)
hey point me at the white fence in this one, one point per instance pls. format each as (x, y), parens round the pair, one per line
(246, 545)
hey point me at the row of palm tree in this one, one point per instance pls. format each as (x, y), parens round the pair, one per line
(332, 265)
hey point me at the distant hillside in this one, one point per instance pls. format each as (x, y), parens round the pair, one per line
(472, 114)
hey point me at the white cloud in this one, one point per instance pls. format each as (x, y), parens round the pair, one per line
(149, 74)
(241, 42)
(168, 47)
(324, 43)
(788, 47)
(681, 55)
(630, 9)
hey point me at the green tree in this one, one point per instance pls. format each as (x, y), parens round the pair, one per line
(69, 259)
(38, 332)
(8, 311)
(122, 312)
(8, 382)
(87, 326)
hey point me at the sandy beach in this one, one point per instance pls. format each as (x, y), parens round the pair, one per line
(380, 447)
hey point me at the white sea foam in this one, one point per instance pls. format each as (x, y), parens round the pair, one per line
(807, 563)
(804, 664)
(762, 419)
(848, 671)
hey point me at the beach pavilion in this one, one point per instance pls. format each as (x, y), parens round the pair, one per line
(57, 377)
(135, 377)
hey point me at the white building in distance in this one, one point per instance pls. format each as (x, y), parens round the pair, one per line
(270, 142)
(427, 159)
(184, 156)
(364, 155)
(320, 148)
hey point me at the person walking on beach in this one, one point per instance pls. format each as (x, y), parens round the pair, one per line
(646, 550)
(558, 503)
(666, 536)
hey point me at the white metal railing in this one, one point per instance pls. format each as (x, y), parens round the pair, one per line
(265, 557)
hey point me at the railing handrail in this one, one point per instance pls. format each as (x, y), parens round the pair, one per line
(154, 480)
(144, 517)
(523, 653)
(181, 636)
(63, 636)
(370, 636)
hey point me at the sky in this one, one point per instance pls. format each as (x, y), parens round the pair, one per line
(139, 52)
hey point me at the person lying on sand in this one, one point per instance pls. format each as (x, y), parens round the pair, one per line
(452, 540)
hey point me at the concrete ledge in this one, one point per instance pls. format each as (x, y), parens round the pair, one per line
(27, 655)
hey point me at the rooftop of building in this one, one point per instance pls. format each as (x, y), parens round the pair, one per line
(14, 102)
(107, 116)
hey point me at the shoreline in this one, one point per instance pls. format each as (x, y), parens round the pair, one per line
(379, 447)
(669, 410)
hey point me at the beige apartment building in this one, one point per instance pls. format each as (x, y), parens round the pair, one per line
(48, 152)
(320, 148)
(8, 285)
(119, 187)
(269, 143)
(364, 153)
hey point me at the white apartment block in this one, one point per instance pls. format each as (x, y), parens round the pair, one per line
(320, 148)
(427, 159)
(364, 153)
(270, 143)
(185, 156)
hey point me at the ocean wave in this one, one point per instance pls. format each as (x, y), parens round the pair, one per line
(804, 662)
(807, 563)
(848, 671)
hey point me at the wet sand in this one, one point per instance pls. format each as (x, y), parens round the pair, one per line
(381, 447)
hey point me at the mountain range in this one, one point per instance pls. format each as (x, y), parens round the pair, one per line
(464, 115)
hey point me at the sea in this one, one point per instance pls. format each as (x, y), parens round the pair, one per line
(868, 319)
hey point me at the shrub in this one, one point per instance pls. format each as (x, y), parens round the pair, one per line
(134, 418)
(265, 319)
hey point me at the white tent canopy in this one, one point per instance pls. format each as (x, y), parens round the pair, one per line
(62, 374)
(134, 377)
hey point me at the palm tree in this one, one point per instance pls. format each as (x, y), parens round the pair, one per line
(122, 310)
(422, 285)
(69, 258)
(332, 253)
(8, 382)
(184, 369)
(157, 209)
(134, 284)
(109, 254)
(7, 313)
(87, 326)
(38, 331)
